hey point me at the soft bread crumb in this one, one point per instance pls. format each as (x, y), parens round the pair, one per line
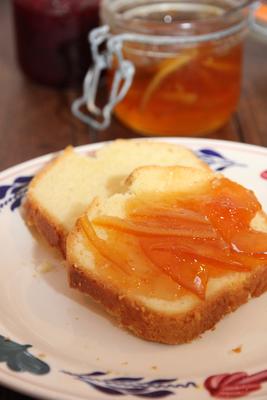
(80, 179)
(162, 180)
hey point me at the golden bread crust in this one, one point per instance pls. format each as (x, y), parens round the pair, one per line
(52, 232)
(37, 217)
(169, 328)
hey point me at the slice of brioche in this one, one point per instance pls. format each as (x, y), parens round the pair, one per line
(63, 190)
(149, 317)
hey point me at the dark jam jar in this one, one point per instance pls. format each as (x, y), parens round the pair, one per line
(51, 36)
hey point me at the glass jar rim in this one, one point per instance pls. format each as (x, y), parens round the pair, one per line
(112, 15)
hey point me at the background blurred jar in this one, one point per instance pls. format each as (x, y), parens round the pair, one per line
(51, 38)
(188, 88)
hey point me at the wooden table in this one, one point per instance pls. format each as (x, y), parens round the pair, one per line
(35, 120)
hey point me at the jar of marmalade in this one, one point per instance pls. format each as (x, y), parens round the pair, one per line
(174, 67)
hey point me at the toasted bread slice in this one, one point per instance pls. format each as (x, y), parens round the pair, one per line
(151, 314)
(63, 190)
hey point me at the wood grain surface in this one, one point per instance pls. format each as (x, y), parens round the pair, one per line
(35, 120)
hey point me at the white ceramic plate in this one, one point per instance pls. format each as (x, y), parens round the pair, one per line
(77, 353)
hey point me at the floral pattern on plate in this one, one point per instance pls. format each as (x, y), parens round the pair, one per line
(139, 387)
(13, 193)
(238, 384)
(217, 161)
(230, 386)
(18, 359)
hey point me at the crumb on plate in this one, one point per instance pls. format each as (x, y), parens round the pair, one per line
(237, 349)
(44, 267)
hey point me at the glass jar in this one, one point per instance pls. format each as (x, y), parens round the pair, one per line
(186, 59)
(51, 38)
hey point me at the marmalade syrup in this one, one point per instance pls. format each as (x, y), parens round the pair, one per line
(190, 93)
(173, 246)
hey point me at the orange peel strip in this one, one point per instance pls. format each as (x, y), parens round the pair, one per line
(181, 96)
(130, 227)
(167, 68)
(99, 244)
(219, 66)
(181, 213)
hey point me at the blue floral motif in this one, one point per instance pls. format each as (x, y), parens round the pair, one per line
(17, 358)
(13, 194)
(123, 386)
(216, 160)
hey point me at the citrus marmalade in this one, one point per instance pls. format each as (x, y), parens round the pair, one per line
(192, 93)
(170, 246)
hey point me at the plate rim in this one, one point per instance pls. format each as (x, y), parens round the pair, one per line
(94, 146)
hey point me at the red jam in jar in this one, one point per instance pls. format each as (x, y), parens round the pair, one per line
(51, 38)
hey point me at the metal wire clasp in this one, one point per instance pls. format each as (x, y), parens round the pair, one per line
(123, 77)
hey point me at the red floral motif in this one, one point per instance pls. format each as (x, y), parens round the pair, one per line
(264, 174)
(230, 386)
